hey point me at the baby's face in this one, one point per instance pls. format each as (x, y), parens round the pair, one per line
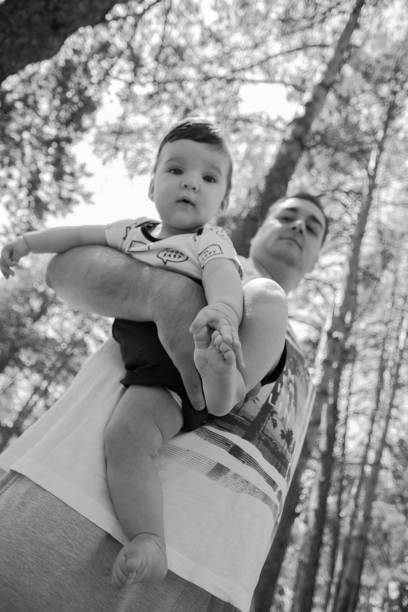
(190, 184)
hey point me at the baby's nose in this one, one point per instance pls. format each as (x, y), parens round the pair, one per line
(190, 184)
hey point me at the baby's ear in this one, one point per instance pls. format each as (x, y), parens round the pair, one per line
(150, 192)
(224, 204)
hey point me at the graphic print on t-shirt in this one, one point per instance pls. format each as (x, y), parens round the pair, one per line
(137, 245)
(171, 255)
(262, 438)
(210, 251)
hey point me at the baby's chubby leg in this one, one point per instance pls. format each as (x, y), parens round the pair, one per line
(262, 337)
(144, 419)
(263, 329)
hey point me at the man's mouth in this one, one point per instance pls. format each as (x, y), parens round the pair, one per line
(293, 239)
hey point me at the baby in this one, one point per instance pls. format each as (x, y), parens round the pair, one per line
(190, 185)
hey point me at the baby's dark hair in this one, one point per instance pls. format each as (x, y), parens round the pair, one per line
(199, 129)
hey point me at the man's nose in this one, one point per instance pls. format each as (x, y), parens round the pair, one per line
(298, 225)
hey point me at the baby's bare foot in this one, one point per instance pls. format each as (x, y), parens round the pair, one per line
(143, 559)
(223, 384)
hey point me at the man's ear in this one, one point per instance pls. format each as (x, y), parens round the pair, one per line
(150, 193)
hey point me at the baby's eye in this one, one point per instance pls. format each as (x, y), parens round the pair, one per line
(209, 178)
(311, 229)
(175, 170)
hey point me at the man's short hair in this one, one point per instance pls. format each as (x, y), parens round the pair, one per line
(199, 129)
(309, 197)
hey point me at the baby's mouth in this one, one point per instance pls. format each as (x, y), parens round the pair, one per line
(186, 201)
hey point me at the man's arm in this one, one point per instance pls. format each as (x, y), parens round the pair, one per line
(105, 281)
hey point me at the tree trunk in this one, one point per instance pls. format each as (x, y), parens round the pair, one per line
(35, 30)
(364, 458)
(268, 580)
(328, 377)
(347, 600)
(336, 530)
(295, 140)
(265, 590)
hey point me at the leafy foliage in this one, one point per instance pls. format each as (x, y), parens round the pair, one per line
(43, 345)
(120, 85)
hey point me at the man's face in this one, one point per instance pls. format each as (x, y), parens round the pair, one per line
(288, 242)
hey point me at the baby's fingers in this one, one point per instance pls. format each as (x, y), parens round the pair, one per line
(6, 270)
(230, 336)
(7, 253)
(205, 318)
(236, 345)
(202, 337)
(227, 331)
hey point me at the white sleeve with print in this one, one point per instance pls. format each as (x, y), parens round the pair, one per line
(118, 233)
(214, 243)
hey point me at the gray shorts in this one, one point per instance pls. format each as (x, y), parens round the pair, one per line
(52, 559)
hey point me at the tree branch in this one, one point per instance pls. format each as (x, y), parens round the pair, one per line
(35, 31)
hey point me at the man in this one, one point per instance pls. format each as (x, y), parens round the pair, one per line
(224, 484)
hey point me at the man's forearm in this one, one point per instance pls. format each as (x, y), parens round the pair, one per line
(105, 281)
(102, 280)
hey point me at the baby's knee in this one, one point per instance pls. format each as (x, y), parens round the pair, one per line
(121, 432)
(264, 292)
(266, 309)
(113, 437)
(131, 430)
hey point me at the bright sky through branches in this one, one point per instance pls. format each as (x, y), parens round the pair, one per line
(117, 196)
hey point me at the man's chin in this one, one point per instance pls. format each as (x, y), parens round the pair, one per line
(290, 256)
(291, 241)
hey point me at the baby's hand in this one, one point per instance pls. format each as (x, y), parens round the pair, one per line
(222, 318)
(11, 254)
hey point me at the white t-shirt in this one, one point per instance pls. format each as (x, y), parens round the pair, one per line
(184, 253)
(224, 487)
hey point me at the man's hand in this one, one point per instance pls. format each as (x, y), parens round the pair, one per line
(11, 254)
(175, 302)
(105, 281)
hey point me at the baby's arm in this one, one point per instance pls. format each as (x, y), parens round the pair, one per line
(53, 240)
(218, 353)
(224, 294)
